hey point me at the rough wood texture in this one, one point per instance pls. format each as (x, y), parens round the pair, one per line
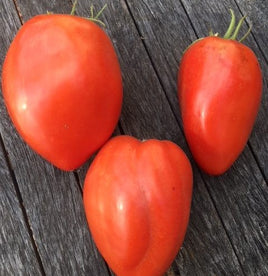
(43, 227)
(17, 255)
(257, 12)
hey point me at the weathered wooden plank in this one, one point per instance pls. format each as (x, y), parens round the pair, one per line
(17, 254)
(257, 14)
(28, 9)
(257, 17)
(52, 198)
(167, 32)
(242, 204)
(146, 114)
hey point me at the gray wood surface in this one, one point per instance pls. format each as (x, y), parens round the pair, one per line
(43, 228)
(17, 254)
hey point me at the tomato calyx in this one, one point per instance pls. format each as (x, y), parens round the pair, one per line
(93, 17)
(232, 31)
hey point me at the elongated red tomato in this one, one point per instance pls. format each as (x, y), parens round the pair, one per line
(219, 90)
(137, 198)
(62, 87)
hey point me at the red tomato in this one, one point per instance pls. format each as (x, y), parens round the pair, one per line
(219, 90)
(137, 198)
(62, 87)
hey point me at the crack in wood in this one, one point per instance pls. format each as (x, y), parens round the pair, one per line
(18, 11)
(24, 212)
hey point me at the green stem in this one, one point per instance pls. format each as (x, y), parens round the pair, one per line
(91, 11)
(211, 32)
(237, 29)
(100, 12)
(231, 26)
(232, 31)
(73, 7)
(93, 18)
(97, 21)
(245, 35)
(96, 17)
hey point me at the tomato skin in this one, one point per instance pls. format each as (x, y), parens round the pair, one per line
(62, 87)
(137, 198)
(219, 91)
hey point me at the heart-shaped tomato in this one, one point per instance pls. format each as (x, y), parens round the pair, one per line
(137, 198)
(62, 87)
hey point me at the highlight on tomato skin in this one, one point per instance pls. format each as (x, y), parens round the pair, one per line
(62, 86)
(219, 91)
(137, 198)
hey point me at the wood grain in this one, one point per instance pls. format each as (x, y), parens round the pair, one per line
(257, 17)
(17, 254)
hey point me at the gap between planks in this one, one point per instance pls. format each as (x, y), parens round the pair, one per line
(18, 12)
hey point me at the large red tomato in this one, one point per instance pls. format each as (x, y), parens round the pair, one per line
(219, 90)
(137, 198)
(62, 87)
